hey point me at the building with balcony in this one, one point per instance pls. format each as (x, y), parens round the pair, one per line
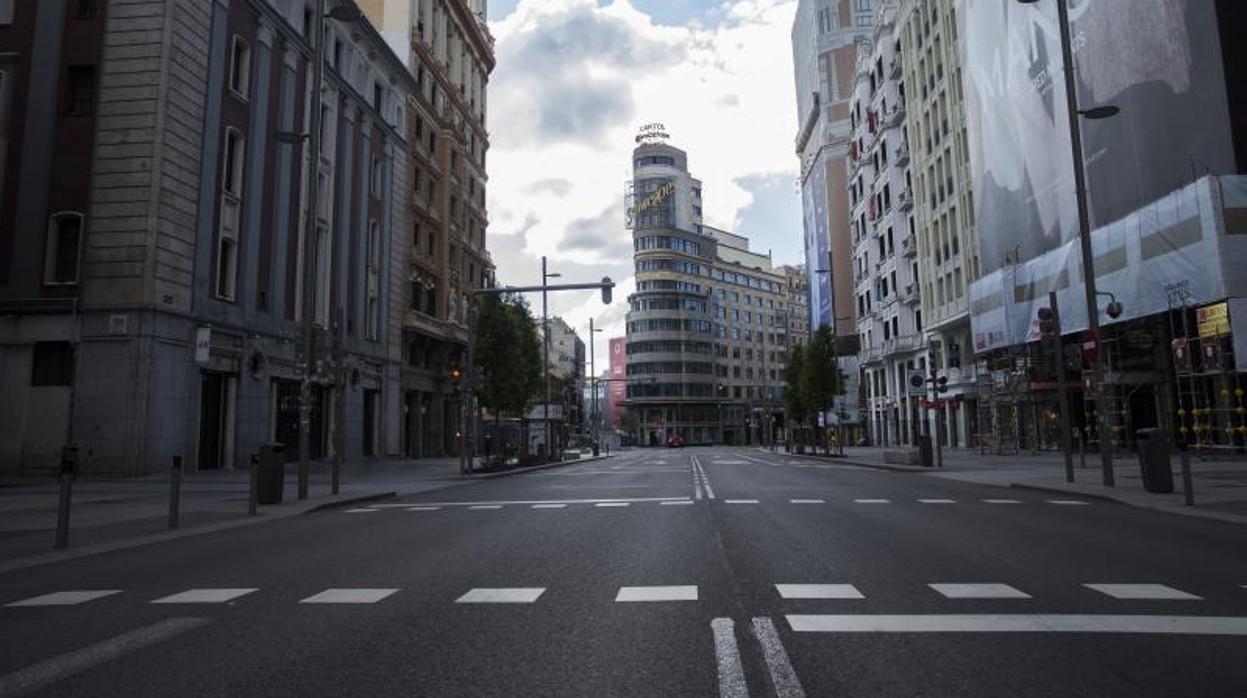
(797, 296)
(155, 229)
(566, 373)
(449, 52)
(706, 327)
(938, 197)
(892, 348)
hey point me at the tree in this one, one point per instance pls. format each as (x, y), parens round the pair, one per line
(507, 355)
(794, 391)
(821, 378)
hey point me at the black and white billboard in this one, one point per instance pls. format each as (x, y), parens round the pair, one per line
(1158, 61)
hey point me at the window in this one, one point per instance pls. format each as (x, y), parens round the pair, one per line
(376, 176)
(81, 91)
(231, 207)
(378, 96)
(372, 320)
(87, 9)
(240, 67)
(52, 364)
(6, 11)
(64, 248)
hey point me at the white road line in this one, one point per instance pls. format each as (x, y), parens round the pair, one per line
(938, 501)
(657, 593)
(1067, 502)
(872, 501)
(783, 676)
(1037, 623)
(979, 591)
(727, 656)
(1143, 591)
(740, 501)
(65, 598)
(730, 462)
(349, 596)
(551, 506)
(682, 501)
(705, 480)
(502, 595)
(423, 508)
(807, 501)
(1002, 501)
(612, 504)
(49, 671)
(506, 502)
(212, 595)
(478, 507)
(361, 511)
(818, 591)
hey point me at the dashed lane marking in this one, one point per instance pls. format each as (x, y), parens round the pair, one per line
(1002, 501)
(727, 657)
(818, 591)
(349, 596)
(1154, 592)
(502, 595)
(937, 501)
(657, 593)
(205, 595)
(612, 504)
(979, 591)
(1037, 623)
(478, 507)
(362, 511)
(423, 508)
(740, 501)
(505, 502)
(65, 598)
(807, 501)
(872, 501)
(1067, 502)
(678, 502)
(549, 506)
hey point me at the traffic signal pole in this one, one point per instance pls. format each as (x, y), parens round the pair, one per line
(1058, 354)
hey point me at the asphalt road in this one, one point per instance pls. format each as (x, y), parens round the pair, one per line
(692, 572)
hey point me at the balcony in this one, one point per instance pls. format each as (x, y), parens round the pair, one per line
(905, 200)
(901, 155)
(909, 246)
(904, 343)
(910, 296)
(894, 68)
(894, 117)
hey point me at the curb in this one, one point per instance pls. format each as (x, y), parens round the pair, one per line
(349, 502)
(531, 468)
(877, 466)
(1058, 490)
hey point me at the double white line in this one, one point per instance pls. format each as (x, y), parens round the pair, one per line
(731, 672)
(700, 480)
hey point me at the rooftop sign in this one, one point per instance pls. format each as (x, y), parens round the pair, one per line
(652, 133)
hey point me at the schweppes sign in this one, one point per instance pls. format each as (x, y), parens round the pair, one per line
(662, 193)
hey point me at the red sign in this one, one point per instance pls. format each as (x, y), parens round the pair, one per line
(1090, 346)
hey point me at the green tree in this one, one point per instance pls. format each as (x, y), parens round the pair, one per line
(794, 391)
(821, 378)
(507, 355)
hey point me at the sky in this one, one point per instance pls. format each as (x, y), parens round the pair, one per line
(574, 81)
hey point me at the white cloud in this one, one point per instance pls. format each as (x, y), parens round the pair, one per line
(575, 80)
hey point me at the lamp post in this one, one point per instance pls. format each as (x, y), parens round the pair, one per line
(545, 344)
(593, 399)
(340, 13)
(1084, 229)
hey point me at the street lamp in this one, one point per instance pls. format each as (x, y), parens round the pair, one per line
(593, 377)
(545, 342)
(340, 13)
(1084, 228)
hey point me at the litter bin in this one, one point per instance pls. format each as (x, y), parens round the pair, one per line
(926, 454)
(270, 482)
(1154, 460)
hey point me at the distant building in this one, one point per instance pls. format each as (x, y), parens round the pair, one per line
(797, 295)
(707, 334)
(567, 372)
(618, 373)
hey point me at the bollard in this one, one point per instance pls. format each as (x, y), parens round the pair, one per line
(1082, 449)
(175, 491)
(254, 496)
(69, 462)
(1188, 489)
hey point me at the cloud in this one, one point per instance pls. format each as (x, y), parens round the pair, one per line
(574, 81)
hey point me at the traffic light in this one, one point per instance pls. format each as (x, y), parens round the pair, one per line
(1047, 321)
(456, 375)
(941, 384)
(607, 285)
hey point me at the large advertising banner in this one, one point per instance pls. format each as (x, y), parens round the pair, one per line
(618, 390)
(1158, 61)
(817, 243)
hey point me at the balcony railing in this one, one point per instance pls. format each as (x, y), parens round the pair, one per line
(901, 155)
(905, 199)
(909, 246)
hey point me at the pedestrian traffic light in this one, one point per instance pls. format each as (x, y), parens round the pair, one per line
(941, 384)
(455, 374)
(1047, 321)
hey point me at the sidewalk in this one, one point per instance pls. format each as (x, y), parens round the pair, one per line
(1220, 486)
(113, 514)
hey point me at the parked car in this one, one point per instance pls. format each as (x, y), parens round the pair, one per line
(675, 442)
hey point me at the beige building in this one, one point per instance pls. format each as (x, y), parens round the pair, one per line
(824, 45)
(797, 295)
(947, 245)
(446, 45)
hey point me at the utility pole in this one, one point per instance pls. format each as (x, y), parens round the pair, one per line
(593, 398)
(545, 361)
(1050, 327)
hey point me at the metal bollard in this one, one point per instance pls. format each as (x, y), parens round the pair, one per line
(69, 463)
(254, 497)
(1188, 488)
(175, 491)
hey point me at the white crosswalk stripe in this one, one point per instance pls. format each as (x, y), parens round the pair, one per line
(657, 593)
(65, 598)
(1153, 592)
(740, 501)
(807, 501)
(872, 501)
(677, 503)
(206, 595)
(1002, 501)
(549, 506)
(485, 506)
(818, 591)
(1067, 502)
(502, 595)
(349, 596)
(424, 509)
(979, 591)
(937, 501)
(612, 504)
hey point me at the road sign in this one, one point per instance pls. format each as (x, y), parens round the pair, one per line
(917, 382)
(1090, 346)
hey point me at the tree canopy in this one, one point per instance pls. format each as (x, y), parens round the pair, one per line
(812, 379)
(507, 355)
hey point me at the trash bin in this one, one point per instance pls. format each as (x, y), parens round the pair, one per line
(926, 454)
(1154, 460)
(270, 483)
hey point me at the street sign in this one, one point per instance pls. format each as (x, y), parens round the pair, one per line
(917, 382)
(1090, 346)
